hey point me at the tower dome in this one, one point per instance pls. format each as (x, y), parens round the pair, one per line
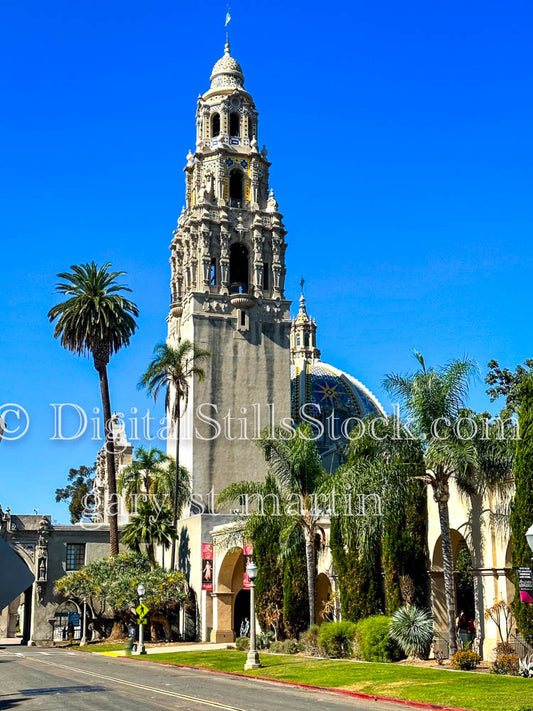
(227, 72)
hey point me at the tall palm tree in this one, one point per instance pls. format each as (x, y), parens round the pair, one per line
(97, 320)
(149, 527)
(297, 477)
(173, 368)
(433, 399)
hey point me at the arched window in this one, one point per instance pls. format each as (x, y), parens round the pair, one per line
(215, 125)
(234, 124)
(238, 269)
(235, 188)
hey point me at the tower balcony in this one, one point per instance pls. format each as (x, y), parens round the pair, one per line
(240, 297)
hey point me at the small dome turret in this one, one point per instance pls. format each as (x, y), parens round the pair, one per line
(227, 72)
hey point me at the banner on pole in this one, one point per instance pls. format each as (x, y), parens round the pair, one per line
(207, 566)
(247, 552)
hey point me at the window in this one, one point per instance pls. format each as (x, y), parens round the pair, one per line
(266, 271)
(234, 124)
(75, 556)
(235, 187)
(298, 342)
(213, 272)
(238, 269)
(215, 125)
(243, 318)
(250, 128)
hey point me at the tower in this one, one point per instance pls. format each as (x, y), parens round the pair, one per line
(227, 284)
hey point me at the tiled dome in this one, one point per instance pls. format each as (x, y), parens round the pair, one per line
(227, 72)
(334, 392)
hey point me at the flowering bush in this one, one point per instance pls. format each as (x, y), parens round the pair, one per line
(465, 660)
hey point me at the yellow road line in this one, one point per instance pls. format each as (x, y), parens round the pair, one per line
(153, 689)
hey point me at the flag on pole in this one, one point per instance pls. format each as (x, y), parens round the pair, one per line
(228, 17)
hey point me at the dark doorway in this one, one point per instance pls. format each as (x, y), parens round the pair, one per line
(26, 626)
(238, 269)
(241, 610)
(464, 584)
(215, 125)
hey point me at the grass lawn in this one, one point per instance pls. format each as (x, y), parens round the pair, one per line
(479, 692)
(104, 647)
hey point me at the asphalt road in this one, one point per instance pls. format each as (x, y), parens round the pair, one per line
(33, 678)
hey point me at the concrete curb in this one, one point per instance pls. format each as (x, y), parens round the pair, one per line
(343, 692)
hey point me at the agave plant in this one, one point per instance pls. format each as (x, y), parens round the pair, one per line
(412, 628)
(525, 666)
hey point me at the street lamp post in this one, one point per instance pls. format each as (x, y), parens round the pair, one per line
(252, 660)
(141, 649)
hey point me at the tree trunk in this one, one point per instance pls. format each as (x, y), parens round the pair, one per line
(447, 564)
(110, 459)
(150, 551)
(176, 484)
(117, 633)
(310, 562)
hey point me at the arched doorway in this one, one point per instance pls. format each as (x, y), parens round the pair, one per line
(235, 188)
(324, 599)
(229, 584)
(241, 610)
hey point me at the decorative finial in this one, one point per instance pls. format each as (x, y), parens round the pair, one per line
(302, 285)
(228, 20)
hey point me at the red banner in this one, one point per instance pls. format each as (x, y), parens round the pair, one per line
(207, 566)
(247, 551)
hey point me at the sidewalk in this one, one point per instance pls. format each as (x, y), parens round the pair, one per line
(177, 647)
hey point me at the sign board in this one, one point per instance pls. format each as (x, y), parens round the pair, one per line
(142, 610)
(525, 585)
(207, 566)
(16, 576)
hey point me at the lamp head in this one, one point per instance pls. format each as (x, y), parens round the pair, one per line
(251, 569)
(529, 537)
(141, 590)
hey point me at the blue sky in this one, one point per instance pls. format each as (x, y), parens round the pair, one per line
(401, 147)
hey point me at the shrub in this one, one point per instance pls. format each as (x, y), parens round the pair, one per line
(506, 664)
(374, 643)
(242, 644)
(310, 640)
(465, 660)
(412, 628)
(276, 647)
(265, 639)
(503, 648)
(291, 646)
(336, 639)
(525, 666)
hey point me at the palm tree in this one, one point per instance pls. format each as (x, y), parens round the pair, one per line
(150, 527)
(296, 475)
(96, 320)
(173, 368)
(433, 399)
(145, 475)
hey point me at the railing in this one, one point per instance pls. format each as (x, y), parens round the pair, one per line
(235, 202)
(521, 647)
(238, 288)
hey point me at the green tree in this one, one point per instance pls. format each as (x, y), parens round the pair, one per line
(149, 526)
(110, 584)
(296, 470)
(78, 491)
(522, 506)
(173, 369)
(506, 383)
(97, 320)
(433, 397)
